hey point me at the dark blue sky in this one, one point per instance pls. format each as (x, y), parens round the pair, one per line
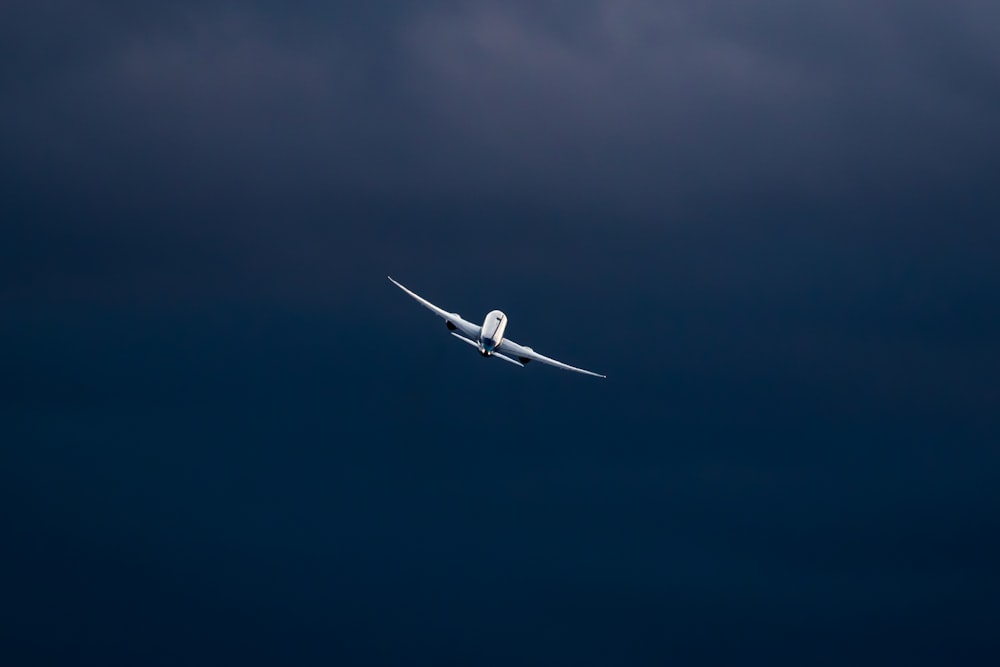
(225, 437)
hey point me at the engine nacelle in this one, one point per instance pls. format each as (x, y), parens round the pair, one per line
(451, 327)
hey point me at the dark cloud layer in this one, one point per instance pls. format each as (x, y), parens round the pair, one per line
(225, 437)
(613, 100)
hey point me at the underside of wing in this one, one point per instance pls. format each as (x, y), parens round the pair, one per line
(526, 354)
(453, 320)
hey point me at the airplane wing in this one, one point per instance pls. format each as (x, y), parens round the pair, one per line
(524, 354)
(466, 329)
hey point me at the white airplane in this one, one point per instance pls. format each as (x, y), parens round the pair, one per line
(489, 338)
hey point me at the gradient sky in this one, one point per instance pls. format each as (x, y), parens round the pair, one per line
(226, 437)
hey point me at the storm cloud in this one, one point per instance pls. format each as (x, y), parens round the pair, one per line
(608, 100)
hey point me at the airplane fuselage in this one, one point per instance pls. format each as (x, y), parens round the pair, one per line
(491, 333)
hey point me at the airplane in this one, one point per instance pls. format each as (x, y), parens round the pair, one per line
(489, 338)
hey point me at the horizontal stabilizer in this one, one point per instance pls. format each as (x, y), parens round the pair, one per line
(507, 359)
(464, 339)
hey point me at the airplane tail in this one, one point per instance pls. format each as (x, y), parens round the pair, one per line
(508, 359)
(464, 339)
(495, 354)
